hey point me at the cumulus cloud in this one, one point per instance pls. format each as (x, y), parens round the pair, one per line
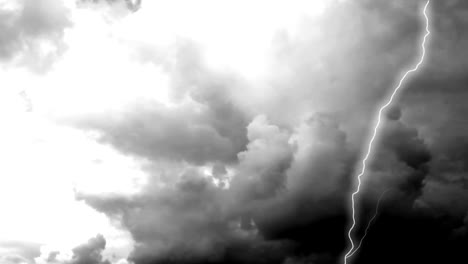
(188, 221)
(86, 253)
(262, 168)
(304, 171)
(402, 148)
(192, 215)
(241, 146)
(32, 32)
(279, 152)
(90, 253)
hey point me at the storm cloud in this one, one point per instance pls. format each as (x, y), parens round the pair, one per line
(247, 144)
(297, 157)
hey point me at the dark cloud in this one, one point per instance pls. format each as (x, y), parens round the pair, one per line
(311, 259)
(189, 222)
(445, 199)
(287, 157)
(303, 171)
(432, 103)
(312, 202)
(412, 238)
(405, 142)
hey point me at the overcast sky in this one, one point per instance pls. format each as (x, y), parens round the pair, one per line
(186, 132)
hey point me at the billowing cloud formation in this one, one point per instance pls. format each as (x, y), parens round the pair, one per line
(86, 253)
(32, 31)
(289, 172)
(90, 253)
(262, 167)
(302, 171)
(239, 138)
(194, 132)
(403, 149)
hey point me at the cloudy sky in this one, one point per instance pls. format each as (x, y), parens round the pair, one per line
(189, 132)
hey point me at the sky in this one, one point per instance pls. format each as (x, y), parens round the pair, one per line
(187, 132)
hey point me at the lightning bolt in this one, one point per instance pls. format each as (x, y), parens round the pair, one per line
(351, 250)
(369, 224)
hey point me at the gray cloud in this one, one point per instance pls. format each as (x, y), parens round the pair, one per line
(21, 248)
(292, 151)
(132, 5)
(263, 166)
(292, 166)
(90, 252)
(188, 220)
(29, 24)
(14, 259)
(158, 133)
(208, 127)
(304, 171)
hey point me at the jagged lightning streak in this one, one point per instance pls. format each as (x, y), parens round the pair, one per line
(369, 224)
(351, 250)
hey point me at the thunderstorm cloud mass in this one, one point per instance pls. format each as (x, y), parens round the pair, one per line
(190, 132)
